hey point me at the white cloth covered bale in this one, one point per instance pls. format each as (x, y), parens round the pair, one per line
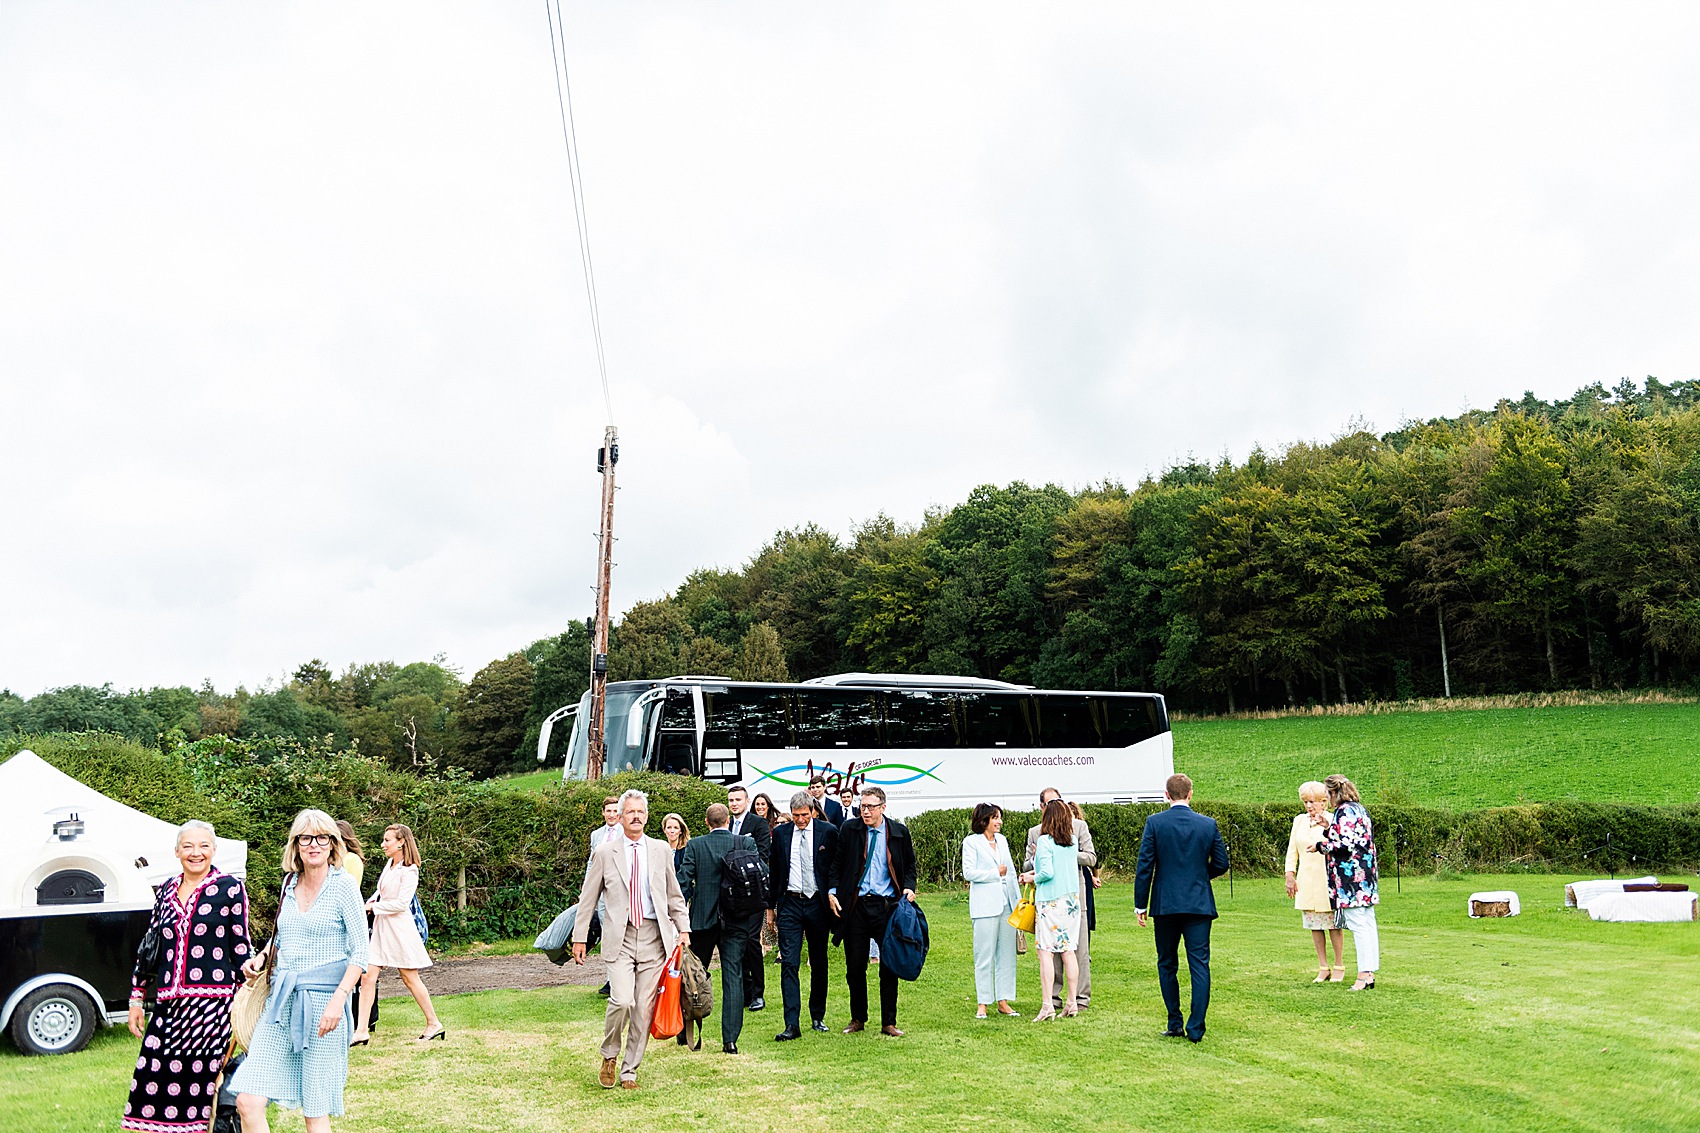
(1578, 893)
(1645, 907)
(1486, 904)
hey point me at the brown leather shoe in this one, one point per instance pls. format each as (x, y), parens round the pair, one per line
(628, 1083)
(853, 1027)
(610, 1073)
(892, 1031)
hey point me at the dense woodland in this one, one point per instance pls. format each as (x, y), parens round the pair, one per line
(1536, 546)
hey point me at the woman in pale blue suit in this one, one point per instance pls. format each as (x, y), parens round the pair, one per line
(992, 894)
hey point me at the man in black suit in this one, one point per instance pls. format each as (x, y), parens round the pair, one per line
(876, 869)
(831, 809)
(804, 853)
(1182, 850)
(754, 825)
(699, 881)
(846, 798)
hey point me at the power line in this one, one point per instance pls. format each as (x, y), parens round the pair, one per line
(569, 134)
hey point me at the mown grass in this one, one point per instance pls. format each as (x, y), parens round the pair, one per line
(1545, 1022)
(530, 780)
(1646, 753)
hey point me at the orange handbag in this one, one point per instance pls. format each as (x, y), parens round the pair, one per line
(669, 1017)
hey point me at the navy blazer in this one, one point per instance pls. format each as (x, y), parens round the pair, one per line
(834, 810)
(1184, 850)
(826, 859)
(699, 873)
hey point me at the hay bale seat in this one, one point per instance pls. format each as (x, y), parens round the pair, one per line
(1499, 903)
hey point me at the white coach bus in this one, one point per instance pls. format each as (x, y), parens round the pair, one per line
(929, 742)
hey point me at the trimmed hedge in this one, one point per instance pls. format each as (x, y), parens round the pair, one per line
(524, 853)
(1540, 837)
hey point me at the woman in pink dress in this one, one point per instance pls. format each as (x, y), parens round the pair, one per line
(395, 938)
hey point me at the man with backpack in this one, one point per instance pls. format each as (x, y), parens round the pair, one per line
(725, 881)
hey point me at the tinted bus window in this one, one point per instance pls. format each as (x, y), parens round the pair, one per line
(764, 717)
(914, 718)
(837, 719)
(995, 719)
(1069, 721)
(1130, 719)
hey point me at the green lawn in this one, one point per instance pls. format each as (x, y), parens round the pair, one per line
(1545, 1022)
(531, 780)
(1646, 753)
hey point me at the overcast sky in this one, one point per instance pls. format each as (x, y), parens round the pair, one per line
(295, 359)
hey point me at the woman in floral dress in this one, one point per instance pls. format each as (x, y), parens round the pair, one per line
(202, 920)
(1349, 846)
(1056, 869)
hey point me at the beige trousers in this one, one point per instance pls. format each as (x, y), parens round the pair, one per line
(632, 980)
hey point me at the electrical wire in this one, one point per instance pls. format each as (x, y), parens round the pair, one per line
(569, 135)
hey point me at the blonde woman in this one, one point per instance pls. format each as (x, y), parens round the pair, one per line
(395, 938)
(299, 1053)
(674, 830)
(1307, 882)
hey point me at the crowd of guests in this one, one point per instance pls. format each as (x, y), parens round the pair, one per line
(836, 868)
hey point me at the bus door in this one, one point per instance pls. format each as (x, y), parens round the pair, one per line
(677, 744)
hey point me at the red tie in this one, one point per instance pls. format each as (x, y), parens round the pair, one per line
(637, 897)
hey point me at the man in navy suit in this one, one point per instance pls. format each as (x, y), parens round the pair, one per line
(805, 857)
(1182, 851)
(830, 808)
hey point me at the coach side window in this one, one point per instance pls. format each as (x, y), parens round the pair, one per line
(1131, 719)
(1068, 721)
(996, 719)
(837, 719)
(917, 718)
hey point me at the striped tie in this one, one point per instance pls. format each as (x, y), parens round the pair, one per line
(636, 891)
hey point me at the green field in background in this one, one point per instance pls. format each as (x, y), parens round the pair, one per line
(1646, 753)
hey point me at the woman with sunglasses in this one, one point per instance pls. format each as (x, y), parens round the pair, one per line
(298, 1056)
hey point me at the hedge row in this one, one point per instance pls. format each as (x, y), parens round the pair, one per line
(524, 854)
(1541, 837)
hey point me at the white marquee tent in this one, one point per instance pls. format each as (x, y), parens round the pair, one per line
(49, 823)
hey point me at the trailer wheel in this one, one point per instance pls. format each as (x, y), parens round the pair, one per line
(56, 1019)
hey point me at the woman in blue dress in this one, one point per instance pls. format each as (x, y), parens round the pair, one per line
(299, 1053)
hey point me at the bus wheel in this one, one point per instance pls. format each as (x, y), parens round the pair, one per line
(56, 1019)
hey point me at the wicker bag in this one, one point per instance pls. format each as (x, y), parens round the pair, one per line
(249, 1003)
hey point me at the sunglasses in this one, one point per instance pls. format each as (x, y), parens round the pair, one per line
(312, 839)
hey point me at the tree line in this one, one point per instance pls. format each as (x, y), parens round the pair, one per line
(1534, 546)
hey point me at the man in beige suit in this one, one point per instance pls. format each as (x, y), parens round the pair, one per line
(632, 875)
(1089, 859)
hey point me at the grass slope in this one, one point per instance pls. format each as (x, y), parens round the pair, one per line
(1545, 1022)
(1648, 753)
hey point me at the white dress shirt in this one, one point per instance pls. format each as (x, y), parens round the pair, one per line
(802, 880)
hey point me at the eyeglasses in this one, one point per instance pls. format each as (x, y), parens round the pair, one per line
(312, 839)
(866, 805)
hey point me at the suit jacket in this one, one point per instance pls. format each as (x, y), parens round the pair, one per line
(606, 879)
(852, 852)
(1082, 841)
(834, 810)
(825, 838)
(1179, 852)
(990, 894)
(755, 827)
(700, 870)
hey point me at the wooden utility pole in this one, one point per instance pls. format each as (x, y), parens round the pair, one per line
(606, 457)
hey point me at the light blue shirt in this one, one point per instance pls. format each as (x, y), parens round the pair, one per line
(876, 878)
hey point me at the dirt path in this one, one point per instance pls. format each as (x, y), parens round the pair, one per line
(488, 973)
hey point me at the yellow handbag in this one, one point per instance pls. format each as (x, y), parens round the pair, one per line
(1026, 912)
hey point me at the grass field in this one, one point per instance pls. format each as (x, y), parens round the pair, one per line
(1487, 757)
(1544, 1022)
(1647, 753)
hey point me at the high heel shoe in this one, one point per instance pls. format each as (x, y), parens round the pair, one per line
(1045, 1016)
(439, 1033)
(1362, 985)
(1337, 974)
(367, 1041)
(1322, 974)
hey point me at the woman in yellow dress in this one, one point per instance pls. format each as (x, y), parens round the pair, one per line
(1307, 882)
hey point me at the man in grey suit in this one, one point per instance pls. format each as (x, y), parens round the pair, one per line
(699, 880)
(633, 874)
(1089, 859)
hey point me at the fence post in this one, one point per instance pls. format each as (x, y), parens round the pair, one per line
(460, 890)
